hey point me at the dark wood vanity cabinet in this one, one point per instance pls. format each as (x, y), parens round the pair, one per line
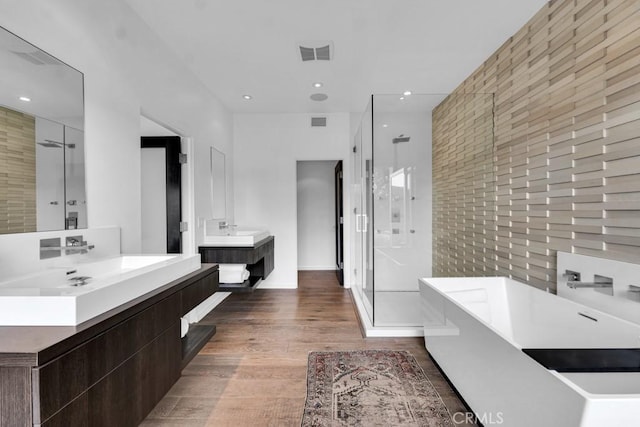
(259, 260)
(113, 369)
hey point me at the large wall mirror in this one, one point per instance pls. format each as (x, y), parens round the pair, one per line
(42, 178)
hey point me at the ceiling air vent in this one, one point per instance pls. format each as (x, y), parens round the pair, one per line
(323, 53)
(321, 50)
(307, 53)
(318, 121)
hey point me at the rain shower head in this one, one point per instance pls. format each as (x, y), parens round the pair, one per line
(400, 139)
(50, 144)
(55, 144)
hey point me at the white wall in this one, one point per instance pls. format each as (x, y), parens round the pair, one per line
(316, 215)
(127, 71)
(266, 148)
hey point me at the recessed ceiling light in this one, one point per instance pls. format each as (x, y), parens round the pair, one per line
(402, 98)
(25, 99)
(385, 126)
(317, 84)
(407, 93)
(247, 97)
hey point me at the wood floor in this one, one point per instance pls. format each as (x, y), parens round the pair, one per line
(253, 371)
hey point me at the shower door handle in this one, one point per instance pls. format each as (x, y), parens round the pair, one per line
(362, 222)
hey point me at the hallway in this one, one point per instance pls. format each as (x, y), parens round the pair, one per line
(253, 371)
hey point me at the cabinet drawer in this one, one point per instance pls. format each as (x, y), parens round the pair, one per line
(197, 292)
(127, 394)
(60, 381)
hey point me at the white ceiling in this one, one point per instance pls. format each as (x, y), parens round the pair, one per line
(239, 47)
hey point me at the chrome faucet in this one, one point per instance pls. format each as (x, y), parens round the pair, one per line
(75, 244)
(72, 241)
(598, 282)
(224, 225)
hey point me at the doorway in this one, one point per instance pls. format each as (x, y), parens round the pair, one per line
(319, 202)
(161, 198)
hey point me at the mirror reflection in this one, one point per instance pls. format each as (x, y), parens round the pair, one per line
(42, 177)
(218, 184)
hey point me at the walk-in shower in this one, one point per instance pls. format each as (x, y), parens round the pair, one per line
(393, 199)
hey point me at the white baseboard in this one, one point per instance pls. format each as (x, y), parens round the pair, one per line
(318, 268)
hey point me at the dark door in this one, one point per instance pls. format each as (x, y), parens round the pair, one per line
(339, 224)
(171, 145)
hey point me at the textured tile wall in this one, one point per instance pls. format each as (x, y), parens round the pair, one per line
(17, 172)
(565, 148)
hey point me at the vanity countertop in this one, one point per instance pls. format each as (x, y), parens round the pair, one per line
(35, 345)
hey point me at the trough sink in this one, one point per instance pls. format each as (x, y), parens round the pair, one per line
(70, 295)
(236, 238)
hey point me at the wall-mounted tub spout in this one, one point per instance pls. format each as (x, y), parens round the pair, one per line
(598, 282)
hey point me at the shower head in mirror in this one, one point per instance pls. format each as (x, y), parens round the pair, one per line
(55, 144)
(51, 144)
(400, 139)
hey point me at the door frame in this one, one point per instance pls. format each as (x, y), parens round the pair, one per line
(173, 168)
(339, 215)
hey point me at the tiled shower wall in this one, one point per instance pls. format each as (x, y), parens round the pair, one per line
(17, 172)
(565, 148)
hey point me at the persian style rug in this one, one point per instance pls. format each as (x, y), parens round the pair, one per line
(370, 388)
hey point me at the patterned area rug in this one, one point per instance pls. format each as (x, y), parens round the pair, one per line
(370, 388)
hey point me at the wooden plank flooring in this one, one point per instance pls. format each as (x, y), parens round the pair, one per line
(253, 371)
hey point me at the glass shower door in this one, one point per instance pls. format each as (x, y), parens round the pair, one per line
(367, 219)
(362, 254)
(356, 236)
(401, 205)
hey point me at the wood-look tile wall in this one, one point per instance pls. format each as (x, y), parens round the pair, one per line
(17, 172)
(566, 148)
(464, 186)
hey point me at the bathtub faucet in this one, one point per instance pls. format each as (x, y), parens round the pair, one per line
(598, 282)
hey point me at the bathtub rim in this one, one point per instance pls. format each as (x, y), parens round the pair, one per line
(503, 281)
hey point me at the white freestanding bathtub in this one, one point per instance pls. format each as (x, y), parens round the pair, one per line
(476, 328)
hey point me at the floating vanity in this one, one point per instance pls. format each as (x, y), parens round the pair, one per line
(253, 248)
(113, 368)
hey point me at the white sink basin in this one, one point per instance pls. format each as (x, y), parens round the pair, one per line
(236, 238)
(50, 299)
